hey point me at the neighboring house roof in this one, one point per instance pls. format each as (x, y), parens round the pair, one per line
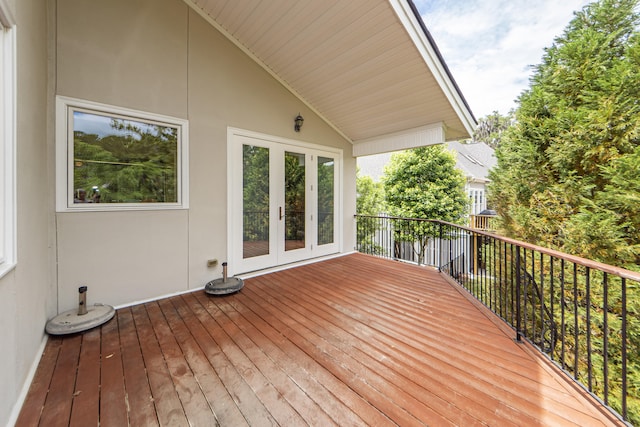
(475, 160)
(368, 67)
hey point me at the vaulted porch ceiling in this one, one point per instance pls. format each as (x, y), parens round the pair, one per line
(369, 68)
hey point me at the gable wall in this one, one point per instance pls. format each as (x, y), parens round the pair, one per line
(160, 56)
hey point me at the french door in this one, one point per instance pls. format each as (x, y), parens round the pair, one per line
(283, 202)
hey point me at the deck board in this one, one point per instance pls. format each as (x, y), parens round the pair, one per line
(351, 341)
(32, 408)
(86, 400)
(57, 407)
(165, 398)
(135, 375)
(113, 396)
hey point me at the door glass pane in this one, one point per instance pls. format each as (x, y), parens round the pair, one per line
(326, 172)
(255, 201)
(294, 201)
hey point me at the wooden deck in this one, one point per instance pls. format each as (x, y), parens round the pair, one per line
(355, 340)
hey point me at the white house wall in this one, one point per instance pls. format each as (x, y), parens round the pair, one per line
(27, 293)
(165, 59)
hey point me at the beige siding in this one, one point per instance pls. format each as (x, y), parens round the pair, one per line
(129, 53)
(167, 60)
(27, 293)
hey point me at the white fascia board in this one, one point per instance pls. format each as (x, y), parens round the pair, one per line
(414, 30)
(404, 140)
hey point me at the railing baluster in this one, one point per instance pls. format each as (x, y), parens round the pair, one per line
(542, 304)
(440, 244)
(588, 320)
(625, 414)
(524, 284)
(494, 280)
(605, 335)
(518, 294)
(503, 276)
(576, 346)
(562, 316)
(552, 349)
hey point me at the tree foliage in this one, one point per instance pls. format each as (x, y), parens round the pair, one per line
(255, 193)
(139, 165)
(369, 201)
(369, 195)
(424, 183)
(491, 128)
(567, 169)
(568, 174)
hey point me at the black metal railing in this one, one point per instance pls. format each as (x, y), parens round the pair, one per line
(255, 226)
(574, 310)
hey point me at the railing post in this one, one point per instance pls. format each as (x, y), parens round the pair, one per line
(518, 292)
(440, 234)
(625, 412)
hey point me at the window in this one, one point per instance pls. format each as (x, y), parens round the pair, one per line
(7, 141)
(112, 158)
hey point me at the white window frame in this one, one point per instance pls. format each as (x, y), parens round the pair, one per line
(65, 107)
(8, 248)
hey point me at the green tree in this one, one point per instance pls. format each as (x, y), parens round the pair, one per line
(424, 183)
(134, 164)
(369, 195)
(568, 169)
(326, 196)
(560, 163)
(491, 128)
(369, 201)
(255, 193)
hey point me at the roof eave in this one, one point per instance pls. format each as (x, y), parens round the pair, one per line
(412, 20)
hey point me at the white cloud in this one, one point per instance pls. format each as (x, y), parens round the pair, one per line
(490, 46)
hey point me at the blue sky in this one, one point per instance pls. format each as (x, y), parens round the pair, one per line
(491, 45)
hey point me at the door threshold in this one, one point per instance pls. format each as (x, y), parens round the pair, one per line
(264, 271)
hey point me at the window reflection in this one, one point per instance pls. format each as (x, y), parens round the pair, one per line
(326, 172)
(122, 160)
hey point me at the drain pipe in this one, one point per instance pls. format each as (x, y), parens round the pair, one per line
(224, 272)
(82, 300)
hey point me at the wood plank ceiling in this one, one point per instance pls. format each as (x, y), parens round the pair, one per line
(354, 62)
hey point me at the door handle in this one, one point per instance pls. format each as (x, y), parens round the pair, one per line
(280, 213)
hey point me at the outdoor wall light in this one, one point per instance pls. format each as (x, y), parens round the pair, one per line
(299, 120)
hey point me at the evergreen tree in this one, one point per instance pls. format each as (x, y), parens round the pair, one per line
(572, 146)
(568, 174)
